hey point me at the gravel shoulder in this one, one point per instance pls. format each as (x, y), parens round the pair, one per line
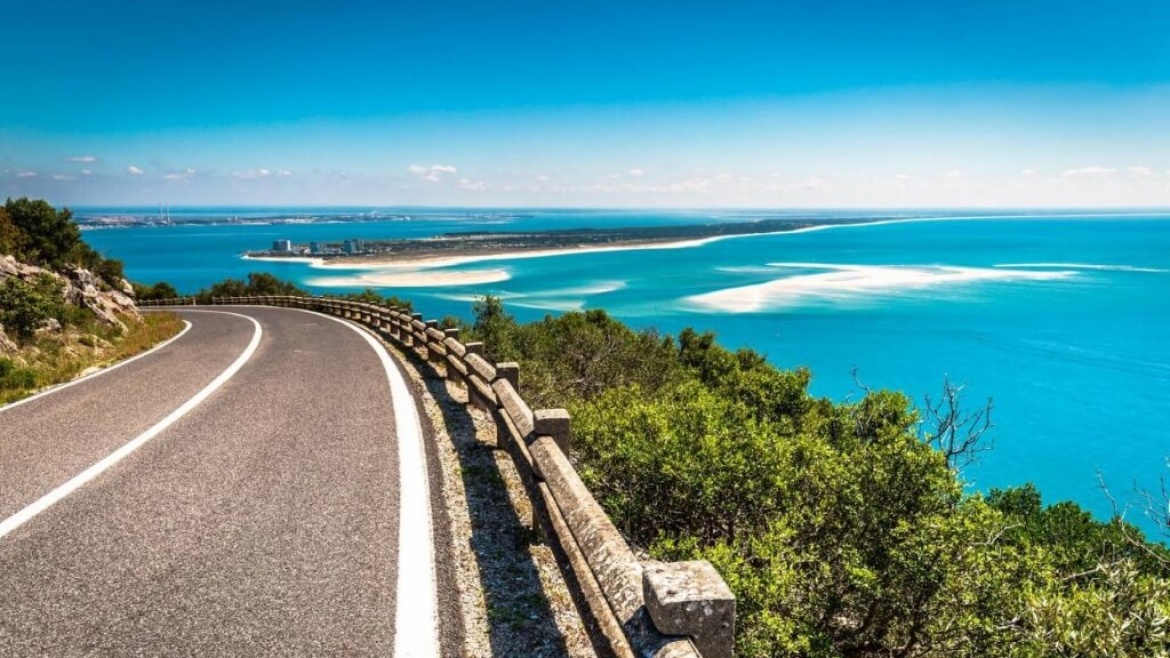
(512, 596)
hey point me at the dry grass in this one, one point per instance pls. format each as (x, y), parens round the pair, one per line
(57, 358)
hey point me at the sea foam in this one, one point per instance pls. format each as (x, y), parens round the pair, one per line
(1087, 266)
(417, 279)
(850, 282)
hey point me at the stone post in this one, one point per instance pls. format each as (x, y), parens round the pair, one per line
(691, 598)
(509, 371)
(554, 423)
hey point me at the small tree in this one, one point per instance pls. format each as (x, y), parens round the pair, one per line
(50, 235)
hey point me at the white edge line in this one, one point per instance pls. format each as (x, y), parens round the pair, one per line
(99, 373)
(416, 607)
(23, 516)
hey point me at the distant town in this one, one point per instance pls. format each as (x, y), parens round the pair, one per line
(289, 249)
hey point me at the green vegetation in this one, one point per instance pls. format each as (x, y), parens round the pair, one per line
(843, 528)
(57, 340)
(36, 233)
(257, 284)
(56, 358)
(24, 306)
(160, 290)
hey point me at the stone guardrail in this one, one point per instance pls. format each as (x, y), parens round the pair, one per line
(643, 610)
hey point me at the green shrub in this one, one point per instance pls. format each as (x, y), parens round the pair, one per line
(11, 237)
(258, 283)
(160, 290)
(24, 307)
(13, 377)
(50, 236)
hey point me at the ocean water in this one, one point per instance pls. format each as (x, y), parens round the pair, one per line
(1063, 320)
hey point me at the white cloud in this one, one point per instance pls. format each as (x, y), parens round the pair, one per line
(26, 174)
(1089, 172)
(472, 185)
(134, 171)
(283, 173)
(902, 177)
(252, 174)
(1141, 172)
(542, 178)
(637, 172)
(81, 158)
(86, 172)
(186, 174)
(1028, 172)
(433, 173)
(954, 174)
(63, 177)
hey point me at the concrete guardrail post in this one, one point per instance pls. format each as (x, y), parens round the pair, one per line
(452, 374)
(554, 423)
(432, 355)
(691, 598)
(510, 372)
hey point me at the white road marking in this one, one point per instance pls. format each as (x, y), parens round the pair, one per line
(416, 609)
(99, 373)
(23, 516)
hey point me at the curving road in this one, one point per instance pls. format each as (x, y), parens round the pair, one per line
(257, 487)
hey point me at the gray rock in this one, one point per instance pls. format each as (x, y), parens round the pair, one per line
(80, 288)
(6, 344)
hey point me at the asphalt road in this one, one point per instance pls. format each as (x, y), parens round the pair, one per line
(262, 522)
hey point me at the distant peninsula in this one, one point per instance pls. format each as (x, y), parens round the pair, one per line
(488, 243)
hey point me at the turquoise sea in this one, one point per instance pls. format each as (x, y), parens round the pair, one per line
(1063, 319)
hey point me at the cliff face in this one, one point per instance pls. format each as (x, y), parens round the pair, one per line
(80, 288)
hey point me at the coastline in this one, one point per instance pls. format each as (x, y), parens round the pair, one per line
(451, 256)
(410, 270)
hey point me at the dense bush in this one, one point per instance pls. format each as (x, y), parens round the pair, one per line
(48, 236)
(24, 307)
(11, 237)
(160, 290)
(258, 283)
(841, 529)
(576, 355)
(35, 232)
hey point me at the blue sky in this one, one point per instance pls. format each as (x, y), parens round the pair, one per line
(557, 103)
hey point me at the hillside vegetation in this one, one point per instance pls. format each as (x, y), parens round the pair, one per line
(843, 528)
(64, 308)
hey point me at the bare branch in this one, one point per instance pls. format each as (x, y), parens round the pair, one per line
(957, 433)
(1125, 528)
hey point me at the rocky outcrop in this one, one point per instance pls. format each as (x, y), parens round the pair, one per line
(80, 288)
(6, 344)
(85, 290)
